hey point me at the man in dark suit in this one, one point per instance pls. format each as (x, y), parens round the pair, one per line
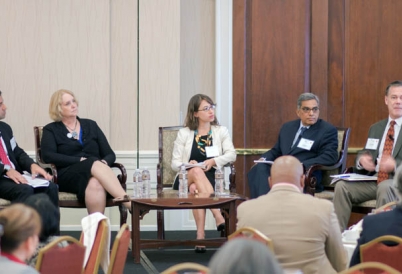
(14, 160)
(309, 139)
(374, 159)
(380, 224)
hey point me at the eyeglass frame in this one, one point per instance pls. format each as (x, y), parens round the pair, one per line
(308, 110)
(207, 108)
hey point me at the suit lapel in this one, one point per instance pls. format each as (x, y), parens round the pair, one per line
(292, 134)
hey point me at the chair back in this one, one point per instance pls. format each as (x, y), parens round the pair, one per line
(38, 130)
(363, 268)
(252, 233)
(185, 267)
(118, 255)
(385, 249)
(95, 253)
(54, 258)
(166, 175)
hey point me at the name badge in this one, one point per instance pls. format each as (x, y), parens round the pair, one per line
(372, 143)
(13, 143)
(305, 144)
(212, 151)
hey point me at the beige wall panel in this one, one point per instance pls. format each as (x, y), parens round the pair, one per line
(197, 50)
(123, 74)
(48, 45)
(159, 68)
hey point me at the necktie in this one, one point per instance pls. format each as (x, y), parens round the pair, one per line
(3, 155)
(302, 130)
(387, 150)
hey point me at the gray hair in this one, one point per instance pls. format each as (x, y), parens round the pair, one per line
(244, 256)
(398, 181)
(307, 97)
(393, 84)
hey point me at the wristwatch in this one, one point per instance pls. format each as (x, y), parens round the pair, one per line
(6, 168)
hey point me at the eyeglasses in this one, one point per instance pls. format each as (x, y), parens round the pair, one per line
(208, 108)
(307, 110)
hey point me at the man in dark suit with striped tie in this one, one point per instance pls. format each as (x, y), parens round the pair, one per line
(310, 139)
(14, 160)
(381, 156)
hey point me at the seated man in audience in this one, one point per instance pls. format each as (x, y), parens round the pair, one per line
(309, 139)
(13, 161)
(303, 229)
(380, 224)
(382, 155)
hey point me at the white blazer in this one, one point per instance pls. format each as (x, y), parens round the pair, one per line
(184, 143)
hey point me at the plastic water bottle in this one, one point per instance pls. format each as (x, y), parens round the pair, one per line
(137, 187)
(183, 183)
(219, 182)
(146, 184)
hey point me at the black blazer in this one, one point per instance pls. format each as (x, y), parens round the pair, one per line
(380, 224)
(62, 151)
(324, 150)
(17, 155)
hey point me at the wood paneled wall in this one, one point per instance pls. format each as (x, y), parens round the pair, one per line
(346, 52)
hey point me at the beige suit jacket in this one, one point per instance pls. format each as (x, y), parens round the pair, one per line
(304, 230)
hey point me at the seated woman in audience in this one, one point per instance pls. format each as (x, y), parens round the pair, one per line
(21, 226)
(50, 217)
(244, 256)
(202, 140)
(81, 153)
(383, 223)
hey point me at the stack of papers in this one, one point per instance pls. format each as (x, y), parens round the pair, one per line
(201, 165)
(264, 162)
(352, 177)
(36, 182)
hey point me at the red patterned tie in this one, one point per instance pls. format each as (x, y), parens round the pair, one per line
(387, 150)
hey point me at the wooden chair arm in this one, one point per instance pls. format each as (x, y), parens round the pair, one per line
(123, 174)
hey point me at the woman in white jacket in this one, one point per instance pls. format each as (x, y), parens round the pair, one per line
(202, 140)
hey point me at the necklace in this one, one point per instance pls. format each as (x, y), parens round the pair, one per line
(73, 133)
(202, 143)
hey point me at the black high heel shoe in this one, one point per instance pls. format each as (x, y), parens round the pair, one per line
(221, 227)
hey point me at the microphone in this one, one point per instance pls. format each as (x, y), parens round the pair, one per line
(391, 137)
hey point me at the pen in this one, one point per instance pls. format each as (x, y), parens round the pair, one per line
(344, 176)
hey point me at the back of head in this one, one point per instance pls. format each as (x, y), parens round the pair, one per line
(244, 256)
(48, 212)
(287, 169)
(19, 223)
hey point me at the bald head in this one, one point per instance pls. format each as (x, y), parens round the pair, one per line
(287, 169)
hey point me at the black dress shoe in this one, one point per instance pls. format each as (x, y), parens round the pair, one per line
(221, 227)
(200, 249)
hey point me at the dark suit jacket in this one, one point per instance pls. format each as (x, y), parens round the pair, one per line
(374, 226)
(62, 151)
(324, 150)
(18, 156)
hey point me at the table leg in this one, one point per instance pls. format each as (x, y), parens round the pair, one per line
(135, 232)
(232, 217)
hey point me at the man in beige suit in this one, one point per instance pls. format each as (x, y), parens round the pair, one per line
(304, 229)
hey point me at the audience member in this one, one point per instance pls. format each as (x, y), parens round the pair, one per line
(50, 217)
(21, 226)
(309, 139)
(380, 224)
(244, 256)
(202, 140)
(381, 155)
(304, 229)
(81, 153)
(13, 161)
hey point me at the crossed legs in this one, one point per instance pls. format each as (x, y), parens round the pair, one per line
(103, 180)
(198, 181)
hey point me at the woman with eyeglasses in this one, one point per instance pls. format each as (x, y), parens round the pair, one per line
(202, 140)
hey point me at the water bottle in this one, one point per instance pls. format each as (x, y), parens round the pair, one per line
(146, 184)
(137, 184)
(219, 182)
(183, 184)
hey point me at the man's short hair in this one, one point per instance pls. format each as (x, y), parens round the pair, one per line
(396, 83)
(307, 97)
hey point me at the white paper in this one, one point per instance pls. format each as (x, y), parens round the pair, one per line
(201, 165)
(352, 177)
(36, 182)
(263, 162)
